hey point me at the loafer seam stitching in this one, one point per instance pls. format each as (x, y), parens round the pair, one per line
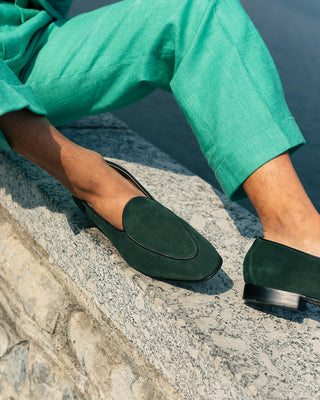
(165, 255)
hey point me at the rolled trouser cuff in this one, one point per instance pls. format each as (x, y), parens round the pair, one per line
(229, 89)
(233, 168)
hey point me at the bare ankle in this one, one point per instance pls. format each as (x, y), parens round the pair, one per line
(300, 233)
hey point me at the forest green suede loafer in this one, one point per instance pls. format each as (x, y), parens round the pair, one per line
(155, 241)
(282, 276)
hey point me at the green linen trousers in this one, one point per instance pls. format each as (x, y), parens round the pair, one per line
(207, 53)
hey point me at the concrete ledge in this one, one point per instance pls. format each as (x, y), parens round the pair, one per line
(201, 338)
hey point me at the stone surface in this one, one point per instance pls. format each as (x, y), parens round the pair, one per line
(107, 363)
(47, 382)
(4, 341)
(39, 293)
(201, 337)
(14, 365)
(83, 357)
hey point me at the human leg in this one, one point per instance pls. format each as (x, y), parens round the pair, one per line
(76, 85)
(151, 238)
(82, 171)
(282, 268)
(214, 62)
(207, 53)
(285, 210)
(109, 67)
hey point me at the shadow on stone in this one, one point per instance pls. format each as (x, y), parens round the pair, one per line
(218, 284)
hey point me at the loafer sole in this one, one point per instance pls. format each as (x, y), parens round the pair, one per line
(276, 297)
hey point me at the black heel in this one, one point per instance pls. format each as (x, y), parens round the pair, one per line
(273, 297)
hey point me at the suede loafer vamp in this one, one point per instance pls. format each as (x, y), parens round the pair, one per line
(157, 242)
(282, 276)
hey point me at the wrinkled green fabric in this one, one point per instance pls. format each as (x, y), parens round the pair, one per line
(206, 52)
(21, 25)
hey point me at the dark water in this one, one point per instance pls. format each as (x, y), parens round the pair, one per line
(291, 30)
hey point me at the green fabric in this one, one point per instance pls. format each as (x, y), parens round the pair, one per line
(15, 96)
(273, 265)
(21, 25)
(56, 8)
(206, 52)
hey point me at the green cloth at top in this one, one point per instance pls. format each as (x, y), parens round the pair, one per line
(21, 23)
(207, 53)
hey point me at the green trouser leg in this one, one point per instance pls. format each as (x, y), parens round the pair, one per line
(207, 53)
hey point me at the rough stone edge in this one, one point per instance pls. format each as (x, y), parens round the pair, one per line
(78, 302)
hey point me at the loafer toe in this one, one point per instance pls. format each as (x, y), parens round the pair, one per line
(164, 246)
(157, 229)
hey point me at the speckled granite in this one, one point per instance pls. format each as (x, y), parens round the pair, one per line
(203, 339)
(55, 343)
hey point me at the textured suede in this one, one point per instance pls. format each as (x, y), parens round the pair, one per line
(157, 242)
(158, 229)
(273, 265)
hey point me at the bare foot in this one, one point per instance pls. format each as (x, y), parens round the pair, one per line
(105, 189)
(82, 171)
(301, 233)
(286, 213)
